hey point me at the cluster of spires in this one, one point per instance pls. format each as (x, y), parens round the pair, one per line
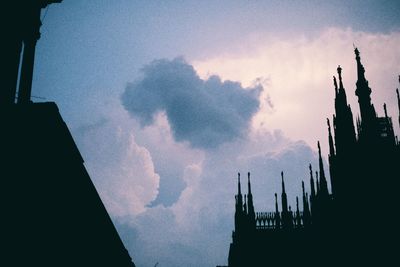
(286, 218)
(319, 195)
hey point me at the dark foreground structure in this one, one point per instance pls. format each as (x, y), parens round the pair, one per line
(51, 213)
(353, 225)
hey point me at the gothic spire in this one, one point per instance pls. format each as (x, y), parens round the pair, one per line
(312, 184)
(250, 205)
(304, 196)
(339, 70)
(284, 196)
(363, 92)
(335, 84)
(239, 187)
(322, 178)
(331, 145)
(248, 183)
(360, 67)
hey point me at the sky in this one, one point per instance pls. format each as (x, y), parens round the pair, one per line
(169, 100)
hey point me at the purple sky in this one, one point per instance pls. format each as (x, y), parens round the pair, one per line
(167, 101)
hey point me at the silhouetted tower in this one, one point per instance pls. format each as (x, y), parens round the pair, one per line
(306, 208)
(363, 92)
(277, 216)
(251, 212)
(343, 119)
(322, 179)
(239, 207)
(312, 185)
(331, 158)
(286, 216)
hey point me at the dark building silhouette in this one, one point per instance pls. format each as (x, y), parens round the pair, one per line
(51, 213)
(353, 222)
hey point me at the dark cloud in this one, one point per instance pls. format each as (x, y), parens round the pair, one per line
(206, 113)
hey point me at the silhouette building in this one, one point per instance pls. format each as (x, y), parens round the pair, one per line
(51, 212)
(352, 222)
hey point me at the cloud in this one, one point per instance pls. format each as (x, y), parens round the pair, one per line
(196, 230)
(192, 190)
(299, 71)
(205, 113)
(122, 171)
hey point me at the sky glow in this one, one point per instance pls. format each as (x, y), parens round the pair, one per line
(168, 179)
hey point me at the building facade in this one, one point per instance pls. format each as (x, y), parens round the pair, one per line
(353, 222)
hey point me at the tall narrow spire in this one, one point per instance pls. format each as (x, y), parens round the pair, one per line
(312, 184)
(322, 178)
(331, 145)
(239, 187)
(360, 67)
(250, 205)
(363, 93)
(304, 196)
(239, 198)
(277, 217)
(339, 70)
(317, 179)
(283, 196)
(248, 183)
(336, 86)
(385, 110)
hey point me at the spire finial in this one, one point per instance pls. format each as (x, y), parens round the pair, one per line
(339, 70)
(384, 108)
(239, 189)
(319, 148)
(335, 84)
(283, 183)
(248, 183)
(302, 186)
(330, 139)
(356, 51)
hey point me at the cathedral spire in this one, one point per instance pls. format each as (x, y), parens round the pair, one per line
(385, 110)
(248, 183)
(363, 93)
(250, 205)
(336, 86)
(239, 187)
(284, 196)
(304, 197)
(360, 67)
(322, 178)
(339, 70)
(312, 184)
(331, 145)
